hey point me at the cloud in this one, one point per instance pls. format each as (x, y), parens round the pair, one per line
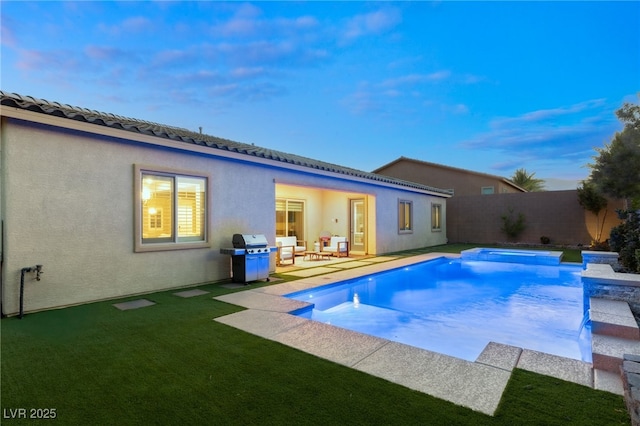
(507, 165)
(568, 132)
(136, 24)
(413, 79)
(237, 27)
(361, 101)
(246, 22)
(372, 23)
(132, 25)
(47, 61)
(402, 97)
(548, 115)
(173, 57)
(248, 72)
(457, 109)
(473, 79)
(106, 53)
(258, 91)
(7, 35)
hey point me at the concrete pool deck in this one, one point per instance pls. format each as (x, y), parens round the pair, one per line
(476, 385)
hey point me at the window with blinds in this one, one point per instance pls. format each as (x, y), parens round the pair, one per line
(172, 207)
(405, 216)
(289, 218)
(436, 217)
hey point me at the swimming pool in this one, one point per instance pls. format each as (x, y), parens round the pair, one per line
(456, 307)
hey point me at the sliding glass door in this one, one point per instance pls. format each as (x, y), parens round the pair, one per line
(290, 218)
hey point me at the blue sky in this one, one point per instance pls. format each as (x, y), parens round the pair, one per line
(486, 86)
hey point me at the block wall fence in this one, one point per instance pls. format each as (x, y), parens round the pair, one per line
(553, 214)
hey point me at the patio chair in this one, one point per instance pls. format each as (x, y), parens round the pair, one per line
(284, 253)
(338, 246)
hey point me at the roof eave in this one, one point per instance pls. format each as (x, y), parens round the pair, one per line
(202, 147)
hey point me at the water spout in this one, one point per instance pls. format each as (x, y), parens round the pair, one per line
(38, 270)
(584, 322)
(584, 338)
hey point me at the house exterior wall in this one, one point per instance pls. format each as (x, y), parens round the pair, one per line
(554, 214)
(390, 239)
(461, 181)
(68, 204)
(382, 210)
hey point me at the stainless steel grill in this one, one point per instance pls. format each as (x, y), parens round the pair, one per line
(249, 257)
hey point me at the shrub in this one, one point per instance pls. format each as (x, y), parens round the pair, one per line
(600, 246)
(510, 226)
(625, 239)
(545, 240)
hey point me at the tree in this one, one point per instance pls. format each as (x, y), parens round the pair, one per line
(616, 170)
(527, 181)
(593, 201)
(625, 239)
(629, 114)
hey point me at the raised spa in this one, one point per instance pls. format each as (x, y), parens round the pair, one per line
(531, 257)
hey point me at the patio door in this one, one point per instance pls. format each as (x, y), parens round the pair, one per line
(290, 218)
(358, 225)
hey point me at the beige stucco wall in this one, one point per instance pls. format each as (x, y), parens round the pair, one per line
(68, 200)
(461, 181)
(70, 208)
(390, 240)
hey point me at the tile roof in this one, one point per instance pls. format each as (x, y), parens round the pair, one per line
(443, 166)
(184, 135)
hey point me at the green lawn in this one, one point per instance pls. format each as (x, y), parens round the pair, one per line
(172, 364)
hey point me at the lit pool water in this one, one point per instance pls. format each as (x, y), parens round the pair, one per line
(457, 307)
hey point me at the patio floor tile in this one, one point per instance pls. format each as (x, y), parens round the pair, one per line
(571, 370)
(261, 323)
(472, 385)
(310, 271)
(262, 301)
(345, 347)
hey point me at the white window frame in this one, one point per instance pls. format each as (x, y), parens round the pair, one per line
(174, 242)
(485, 188)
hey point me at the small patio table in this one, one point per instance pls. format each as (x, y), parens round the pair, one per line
(317, 255)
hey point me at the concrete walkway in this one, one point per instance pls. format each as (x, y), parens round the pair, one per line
(476, 385)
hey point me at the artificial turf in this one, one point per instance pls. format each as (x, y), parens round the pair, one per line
(172, 364)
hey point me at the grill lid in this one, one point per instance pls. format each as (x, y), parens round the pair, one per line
(248, 241)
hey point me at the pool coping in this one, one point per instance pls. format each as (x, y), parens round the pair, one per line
(476, 385)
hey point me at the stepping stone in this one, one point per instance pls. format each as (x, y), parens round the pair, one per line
(191, 293)
(134, 304)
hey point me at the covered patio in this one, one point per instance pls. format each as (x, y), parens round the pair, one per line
(312, 213)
